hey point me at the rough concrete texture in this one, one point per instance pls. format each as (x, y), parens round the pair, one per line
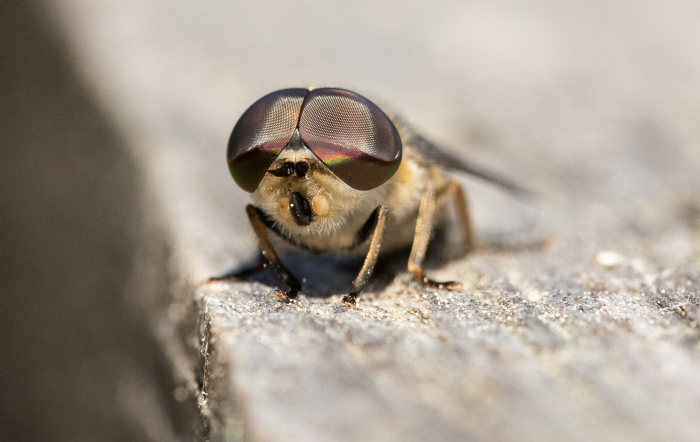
(594, 106)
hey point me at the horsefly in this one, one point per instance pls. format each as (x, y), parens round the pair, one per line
(329, 171)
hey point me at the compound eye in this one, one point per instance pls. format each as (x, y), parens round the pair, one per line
(351, 135)
(261, 134)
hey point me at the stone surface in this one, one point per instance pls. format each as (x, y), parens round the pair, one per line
(594, 106)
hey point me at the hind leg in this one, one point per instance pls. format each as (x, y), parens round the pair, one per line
(459, 200)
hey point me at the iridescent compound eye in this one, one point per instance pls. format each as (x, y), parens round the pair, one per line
(352, 136)
(347, 132)
(261, 134)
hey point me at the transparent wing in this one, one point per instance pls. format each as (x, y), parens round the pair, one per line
(433, 154)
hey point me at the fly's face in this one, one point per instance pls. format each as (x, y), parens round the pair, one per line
(304, 197)
(311, 157)
(291, 189)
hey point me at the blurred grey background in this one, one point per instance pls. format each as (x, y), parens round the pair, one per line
(113, 111)
(70, 348)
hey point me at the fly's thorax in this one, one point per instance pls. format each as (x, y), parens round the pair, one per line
(307, 200)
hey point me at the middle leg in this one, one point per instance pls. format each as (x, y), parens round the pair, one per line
(461, 206)
(424, 227)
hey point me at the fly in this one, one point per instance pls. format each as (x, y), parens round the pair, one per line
(329, 171)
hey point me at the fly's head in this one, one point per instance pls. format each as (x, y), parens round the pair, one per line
(312, 158)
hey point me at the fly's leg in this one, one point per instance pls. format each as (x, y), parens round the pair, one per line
(267, 255)
(459, 199)
(424, 227)
(270, 256)
(371, 259)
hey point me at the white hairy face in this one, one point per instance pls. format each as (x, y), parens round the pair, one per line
(339, 211)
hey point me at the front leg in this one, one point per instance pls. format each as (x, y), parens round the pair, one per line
(370, 260)
(269, 255)
(424, 227)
